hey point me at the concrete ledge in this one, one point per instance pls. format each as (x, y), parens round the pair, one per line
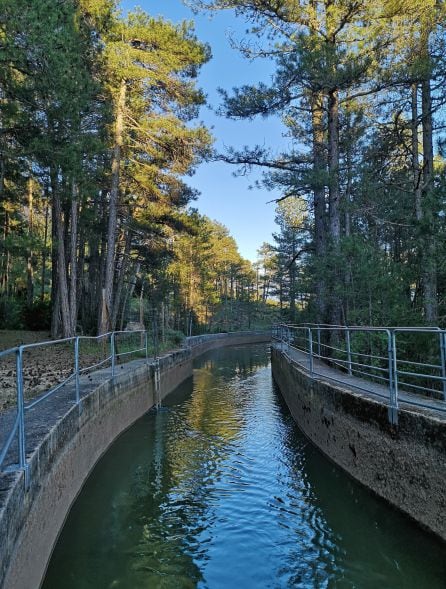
(404, 464)
(31, 520)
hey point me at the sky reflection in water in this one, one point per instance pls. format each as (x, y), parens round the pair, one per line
(220, 490)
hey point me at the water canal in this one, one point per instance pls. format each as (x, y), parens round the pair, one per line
(219, 489)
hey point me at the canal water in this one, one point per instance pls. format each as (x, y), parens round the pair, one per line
(220, 490)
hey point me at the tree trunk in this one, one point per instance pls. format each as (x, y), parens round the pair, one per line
(105, 318)
(121, 276)
(129, 295)
(29, 261)
(416, 170)
(292, 278)
(93, 278)
(347, 215)
(62, 286)
(55, 301)
(429, 263)
(4, 271)
(423, 179)
(333, 168)
(334, 203)
(163, 322)
(7, 257)
(81, 276)
(45, 245)
(319, 171)
(73, 256)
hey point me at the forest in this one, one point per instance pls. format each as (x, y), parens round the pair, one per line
(360, 88)
(97, 136)
(99, 133)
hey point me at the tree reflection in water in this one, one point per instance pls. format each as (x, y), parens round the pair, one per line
(218, 489)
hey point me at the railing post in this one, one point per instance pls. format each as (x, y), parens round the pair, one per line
(146, 346)
(443, 361)
(393, 377)
(157, 376)
(390, 362)
(76, 369)
(310, 350)
(349, 352)
(155, 336)
(319, 341)
(159, 381)
(112, 353)
(21, 412)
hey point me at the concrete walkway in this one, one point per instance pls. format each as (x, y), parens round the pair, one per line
(40, 419)
(407, 400)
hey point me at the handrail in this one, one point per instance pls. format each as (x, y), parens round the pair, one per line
(18, 430)
(147, 344)
(344, 351)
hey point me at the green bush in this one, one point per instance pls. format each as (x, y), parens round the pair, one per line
(174, 337)
(11, 313)
(37, 317)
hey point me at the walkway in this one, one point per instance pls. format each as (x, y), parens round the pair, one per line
(44, 416)
(424, 404)
(41, 418)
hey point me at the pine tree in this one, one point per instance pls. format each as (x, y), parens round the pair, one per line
(150, 66)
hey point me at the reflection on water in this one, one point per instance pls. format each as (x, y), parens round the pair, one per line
(220, 490)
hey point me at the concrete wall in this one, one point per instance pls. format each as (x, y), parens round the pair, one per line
(32, 519)
(404, 464)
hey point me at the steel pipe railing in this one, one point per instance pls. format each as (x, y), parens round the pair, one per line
(115, 346)
(400, 371)
(17, 431)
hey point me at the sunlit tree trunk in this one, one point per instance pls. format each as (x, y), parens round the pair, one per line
(107, 300)
(319, 169)
(29, 261)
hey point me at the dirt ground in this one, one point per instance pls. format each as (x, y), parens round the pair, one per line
(43, 367)
(10, 339)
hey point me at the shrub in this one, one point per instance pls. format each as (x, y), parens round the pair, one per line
(37, 317)
(174, 337)
(11, 313)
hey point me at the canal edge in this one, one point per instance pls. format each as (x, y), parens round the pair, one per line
(32, 518)
(404, 464)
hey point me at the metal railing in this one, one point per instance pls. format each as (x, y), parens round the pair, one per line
(408, 362)
(85, 354)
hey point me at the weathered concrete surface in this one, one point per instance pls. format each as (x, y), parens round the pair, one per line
(404, 464)
(30, 520)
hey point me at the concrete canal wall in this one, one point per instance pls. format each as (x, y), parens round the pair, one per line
(404, 464)
(32, 518)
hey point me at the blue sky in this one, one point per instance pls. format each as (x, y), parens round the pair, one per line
(225, 198)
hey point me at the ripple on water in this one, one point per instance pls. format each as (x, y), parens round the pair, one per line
(220, 490)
